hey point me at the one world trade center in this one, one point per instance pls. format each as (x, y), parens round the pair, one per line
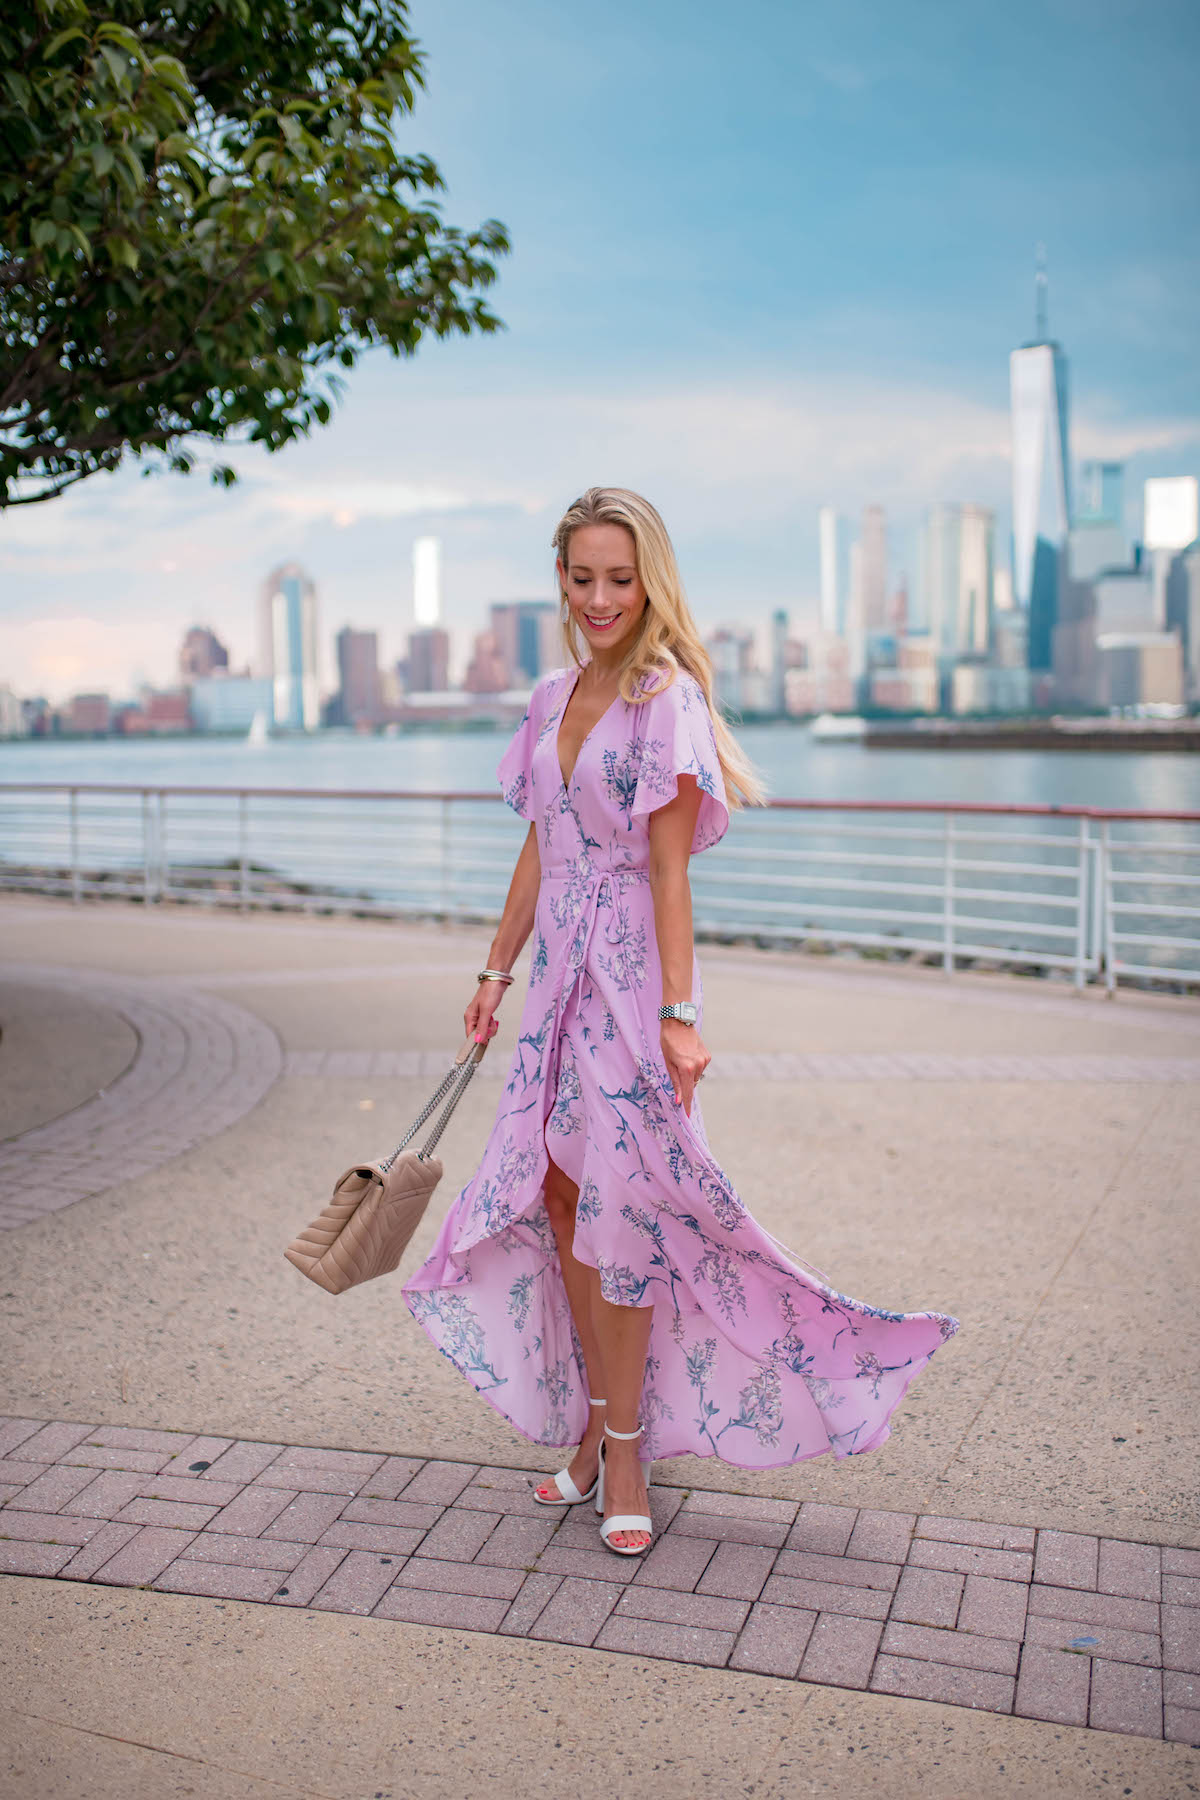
(1041, 497)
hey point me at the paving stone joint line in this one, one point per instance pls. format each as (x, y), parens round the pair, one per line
(1061, 1626)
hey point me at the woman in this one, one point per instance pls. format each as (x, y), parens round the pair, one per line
(598, 1279)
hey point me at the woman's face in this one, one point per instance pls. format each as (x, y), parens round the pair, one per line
(602, 585)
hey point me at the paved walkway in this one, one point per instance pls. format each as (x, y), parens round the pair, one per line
(1048, 1624)
(1025, 1550)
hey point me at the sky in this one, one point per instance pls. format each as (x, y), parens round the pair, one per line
(764, 259)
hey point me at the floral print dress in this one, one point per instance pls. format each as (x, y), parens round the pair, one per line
(753, 1358)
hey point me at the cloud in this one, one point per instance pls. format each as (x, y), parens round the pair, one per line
(738, 468)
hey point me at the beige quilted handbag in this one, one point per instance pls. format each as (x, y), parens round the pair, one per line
(376, 1207)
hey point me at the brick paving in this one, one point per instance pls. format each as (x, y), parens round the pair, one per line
(1006, 1618)
(200, 1065)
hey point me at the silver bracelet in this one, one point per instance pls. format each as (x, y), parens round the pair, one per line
(495, 975)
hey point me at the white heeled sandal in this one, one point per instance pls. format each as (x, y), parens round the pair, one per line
(568, 1493)
(622, 1521)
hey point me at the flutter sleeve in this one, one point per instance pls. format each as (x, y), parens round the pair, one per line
(678, 739)
(515, 770)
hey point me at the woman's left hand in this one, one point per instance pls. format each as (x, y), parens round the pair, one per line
(685, 1057)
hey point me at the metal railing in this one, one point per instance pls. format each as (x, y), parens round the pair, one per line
(1099, 895)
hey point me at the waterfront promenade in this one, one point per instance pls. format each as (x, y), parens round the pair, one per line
(262, 1542)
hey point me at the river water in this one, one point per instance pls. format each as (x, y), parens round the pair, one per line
(793, 764)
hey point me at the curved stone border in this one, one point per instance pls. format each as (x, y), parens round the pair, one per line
(1063, 1626)
(734, 1065)
(201, 1064)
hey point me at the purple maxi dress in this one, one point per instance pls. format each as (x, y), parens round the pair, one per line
(752, 1359)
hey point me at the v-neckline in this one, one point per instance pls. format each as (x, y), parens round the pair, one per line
(567, 779)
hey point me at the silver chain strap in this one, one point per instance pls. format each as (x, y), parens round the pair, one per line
(458, 1073)
(431, 1141)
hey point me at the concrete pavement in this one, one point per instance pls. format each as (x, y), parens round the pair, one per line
(991, 1147)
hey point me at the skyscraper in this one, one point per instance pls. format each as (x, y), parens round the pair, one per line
(528, 637)
(1171, 523)
(427, 582)
(1041, 496)
(202, 653)
(976, 580)
(957, 578)
(360, 697)
(288, 646)
(873, 569)
(833, 617)
(429, 660)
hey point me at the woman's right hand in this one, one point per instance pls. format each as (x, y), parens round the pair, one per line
(479, 1017)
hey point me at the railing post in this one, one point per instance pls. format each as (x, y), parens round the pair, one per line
(243, 868)
(160, 847)
(1081, 904)
(1096, 877)
(147, 858)
(445, 847)
(948, 895)
(1109, 944)
(76, 878)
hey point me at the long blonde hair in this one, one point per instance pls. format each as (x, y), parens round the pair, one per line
(668, 639)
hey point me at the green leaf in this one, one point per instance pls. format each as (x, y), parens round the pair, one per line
(60, 38)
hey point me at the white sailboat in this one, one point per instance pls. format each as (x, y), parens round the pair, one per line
(258, 733)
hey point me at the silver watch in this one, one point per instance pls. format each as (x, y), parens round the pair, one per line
(687, 1010)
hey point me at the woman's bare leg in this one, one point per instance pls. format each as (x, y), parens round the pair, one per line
(562, 1197)
(623, 1334)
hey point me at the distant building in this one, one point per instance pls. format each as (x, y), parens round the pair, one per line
(202, 653)
(904, 690)
(984, 688)
(88, 715)
(528, 636)
(167, 712)
(427, 583)
(1101, 498)
(1041, 506)
(733, 660)
(1076, 661)
(873, 569)
(359, 698)
(13, 723)
(1171, 522)
(428, 661)
(288, 646)
(912, 684)
(1183, 614)
(1094, 546)
(957, 567)
(487, 671)
(231, 703)
(1125, 601)
(1140, 668)
(1002, 591)
(824, 684)
(833, 596)
(777, 696)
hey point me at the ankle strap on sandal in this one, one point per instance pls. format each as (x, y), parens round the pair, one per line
(597, 1402)
(627, 1435)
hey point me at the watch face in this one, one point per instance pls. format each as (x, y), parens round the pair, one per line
(688, 1012)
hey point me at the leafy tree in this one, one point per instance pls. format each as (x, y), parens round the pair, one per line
(204, 216)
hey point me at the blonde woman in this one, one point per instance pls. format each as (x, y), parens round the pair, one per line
(598, 1279)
